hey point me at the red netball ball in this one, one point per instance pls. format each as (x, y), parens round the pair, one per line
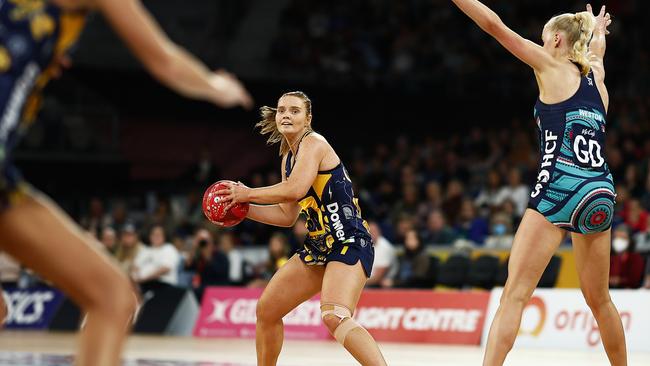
(214, 208)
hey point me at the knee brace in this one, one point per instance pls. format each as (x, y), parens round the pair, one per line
(346, 323)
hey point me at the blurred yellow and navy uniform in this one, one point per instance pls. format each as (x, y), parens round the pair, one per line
(33, 33)
(337, 232)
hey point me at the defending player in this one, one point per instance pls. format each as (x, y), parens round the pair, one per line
(574, 191)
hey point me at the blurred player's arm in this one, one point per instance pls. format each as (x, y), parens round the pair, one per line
(311, 153)
(168, 62)
(529, 52)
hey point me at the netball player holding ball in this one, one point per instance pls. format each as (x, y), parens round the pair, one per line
(337, 255)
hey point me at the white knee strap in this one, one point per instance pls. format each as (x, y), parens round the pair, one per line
(346, 323)
(337, 310)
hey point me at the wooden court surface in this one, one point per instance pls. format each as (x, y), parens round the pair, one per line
(30, 348)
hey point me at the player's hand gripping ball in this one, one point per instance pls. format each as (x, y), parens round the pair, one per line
(214, 206)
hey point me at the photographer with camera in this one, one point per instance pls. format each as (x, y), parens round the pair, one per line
(210, 265)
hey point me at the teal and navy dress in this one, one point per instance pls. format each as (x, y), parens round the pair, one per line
(574, 188)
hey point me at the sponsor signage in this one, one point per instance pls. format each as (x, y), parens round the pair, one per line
(230, 312)
(31, 308)
(397, 316)
(423, 316)
(560, 318)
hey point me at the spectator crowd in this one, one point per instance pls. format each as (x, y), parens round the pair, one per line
(460, 189)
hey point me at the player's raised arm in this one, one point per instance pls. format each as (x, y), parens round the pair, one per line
(529, 52)
(598, 44)
(596, 53)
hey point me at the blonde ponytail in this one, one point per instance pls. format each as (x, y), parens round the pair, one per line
(268, 126)
(578, 54)
(578, 29)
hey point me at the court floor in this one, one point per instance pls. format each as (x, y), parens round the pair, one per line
(55, 349)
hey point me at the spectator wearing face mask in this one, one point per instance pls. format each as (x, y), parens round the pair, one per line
(501, 236)
(626, 266)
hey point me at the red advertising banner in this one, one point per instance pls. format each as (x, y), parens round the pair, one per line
(230, 312)
(393, 316)
(424, 316)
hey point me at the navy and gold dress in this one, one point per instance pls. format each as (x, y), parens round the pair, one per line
(33, 34)
(337, 232)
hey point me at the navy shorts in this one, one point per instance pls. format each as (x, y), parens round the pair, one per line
(351, 253)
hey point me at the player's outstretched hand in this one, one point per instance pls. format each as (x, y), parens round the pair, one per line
(230, 92)
(603, 20)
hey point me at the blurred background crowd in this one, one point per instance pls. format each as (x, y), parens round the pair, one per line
(435, 131)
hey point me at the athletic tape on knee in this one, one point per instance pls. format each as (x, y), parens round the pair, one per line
(337, 310)
(346, 323)
(345, 326)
